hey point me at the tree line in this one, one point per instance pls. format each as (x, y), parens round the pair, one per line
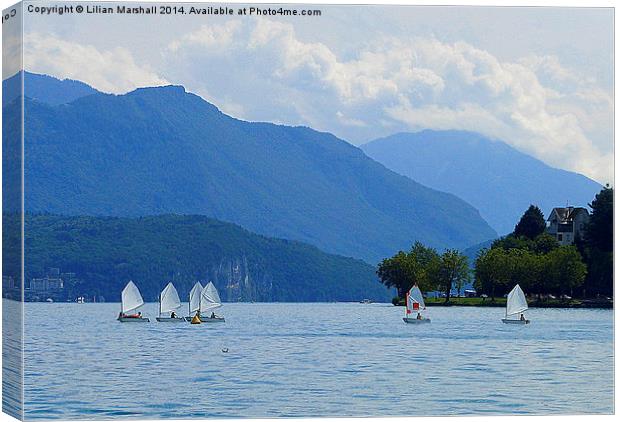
(528, 256)
(427, 268)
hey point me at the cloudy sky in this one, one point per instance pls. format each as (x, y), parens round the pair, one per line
(541, 79)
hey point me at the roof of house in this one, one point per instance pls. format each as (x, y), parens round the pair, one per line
(567, 213)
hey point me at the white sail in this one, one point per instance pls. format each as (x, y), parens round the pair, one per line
(169, 299)
(516, 301)
(415, 300)
(416, 294)
(194, 297)
(209, 298)
(130, 298)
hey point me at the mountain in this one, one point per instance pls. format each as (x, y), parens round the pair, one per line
(495, 178)
(46, 89)
(106, 252)
(162, 150)
(472, 252)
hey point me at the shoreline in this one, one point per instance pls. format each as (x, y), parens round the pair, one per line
(501, 303)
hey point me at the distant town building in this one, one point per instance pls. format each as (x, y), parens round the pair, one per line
(46, 284)
(8, 282)
(567, 223)
(53, 281)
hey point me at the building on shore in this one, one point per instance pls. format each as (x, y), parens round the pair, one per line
(567, 224)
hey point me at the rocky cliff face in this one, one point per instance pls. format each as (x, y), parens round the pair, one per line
(238, 281)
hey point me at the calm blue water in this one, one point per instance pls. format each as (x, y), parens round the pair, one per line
(315, 360)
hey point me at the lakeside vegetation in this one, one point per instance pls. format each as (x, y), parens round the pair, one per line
(500, 302)
(552, 274)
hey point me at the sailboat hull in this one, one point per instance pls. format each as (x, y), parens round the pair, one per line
(134, 319)
(416, 321)
(515, 321)
(207, 319)
(168, 319)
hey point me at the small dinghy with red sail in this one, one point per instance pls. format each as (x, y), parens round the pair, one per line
(415, 305)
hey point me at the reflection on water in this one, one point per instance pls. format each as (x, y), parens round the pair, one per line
(315, 360)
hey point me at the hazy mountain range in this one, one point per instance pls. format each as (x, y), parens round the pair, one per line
(163, 150)
(495, 178)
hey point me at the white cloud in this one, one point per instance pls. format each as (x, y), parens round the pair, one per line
(535, 104)
(259, 69)
(113, 71)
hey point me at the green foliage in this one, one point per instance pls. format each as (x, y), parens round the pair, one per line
(538, 265)
(597, 245)
(532, 223)
(492, 271)
(453, 271)
(426, 268)
(600, 229)
(106, 252)
(564, 270)
(419, 266)
(544, 243)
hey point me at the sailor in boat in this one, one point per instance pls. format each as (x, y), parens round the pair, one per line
(522, 317)
(173, 314)
(419, 316)
(212, 315)
(122, 315)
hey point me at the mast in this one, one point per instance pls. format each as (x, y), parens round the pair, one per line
(407, 305)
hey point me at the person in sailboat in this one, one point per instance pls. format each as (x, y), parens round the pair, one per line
(212, 315)
(173, 314)
(419, 316)
(522, 317)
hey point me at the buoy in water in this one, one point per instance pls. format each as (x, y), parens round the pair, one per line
(196, 319)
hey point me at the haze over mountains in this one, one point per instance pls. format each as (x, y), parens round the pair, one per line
(163, 150)
(495, 178)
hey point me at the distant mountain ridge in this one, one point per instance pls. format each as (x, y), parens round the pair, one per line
(46, 89)
(162, 150)
(492, 176)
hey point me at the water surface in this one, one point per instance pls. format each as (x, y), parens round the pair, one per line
(305, 360)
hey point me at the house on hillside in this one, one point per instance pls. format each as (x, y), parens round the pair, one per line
(567, 223)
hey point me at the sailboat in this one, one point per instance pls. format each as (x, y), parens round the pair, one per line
(415, 303)
(516, 303)
(194, 300)
(131, 300)
(169, 302)
(209, 301)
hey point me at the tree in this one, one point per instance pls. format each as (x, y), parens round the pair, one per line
(599, 231)
(403, 270)
(453, 271)
(396, 272)
(544, 243)
(597, 245)
(531, 224)
(492, 271)
(524, 268)
(564, 269)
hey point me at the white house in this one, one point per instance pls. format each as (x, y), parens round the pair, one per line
(567, 223)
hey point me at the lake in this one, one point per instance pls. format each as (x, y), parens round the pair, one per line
(307, 360)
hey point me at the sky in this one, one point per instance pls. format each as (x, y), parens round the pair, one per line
(538, 78)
